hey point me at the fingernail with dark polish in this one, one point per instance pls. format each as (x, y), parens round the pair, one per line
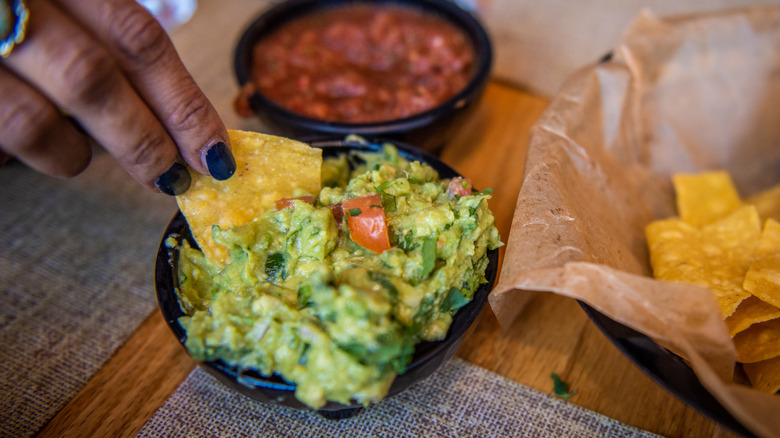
(174, 181)
(220, 161)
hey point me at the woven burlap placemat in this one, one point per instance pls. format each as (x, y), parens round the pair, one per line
(458, 400)
(76, 279)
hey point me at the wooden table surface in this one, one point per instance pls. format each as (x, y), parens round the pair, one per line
(552, 335)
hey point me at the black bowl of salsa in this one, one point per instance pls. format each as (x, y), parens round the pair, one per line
(407, 70)
(428, 355)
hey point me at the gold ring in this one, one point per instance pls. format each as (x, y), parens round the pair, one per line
(13, 25)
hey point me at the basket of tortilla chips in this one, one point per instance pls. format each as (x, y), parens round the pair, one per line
(651, 194)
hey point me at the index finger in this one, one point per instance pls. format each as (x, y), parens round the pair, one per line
(147, 56)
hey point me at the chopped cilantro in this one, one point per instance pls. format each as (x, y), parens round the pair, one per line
(354, 212)
(395, 352)
(385, 282)
(382, 187)
(304, 294)
(454, 301)
(274, 267)
(407, 242)
(561, 388)
(428, 256)
(388, 199)
(467, 228)
(304, 354)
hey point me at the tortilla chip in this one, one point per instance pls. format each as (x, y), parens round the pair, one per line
(763, 277)
(268, 168)
(765, 375)
(705, 197)
(750, 311)
(716, 256)
(767, 203)
(759, 342)
(675, 253)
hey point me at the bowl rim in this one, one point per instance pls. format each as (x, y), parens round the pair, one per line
(279, 14)
(425, 351)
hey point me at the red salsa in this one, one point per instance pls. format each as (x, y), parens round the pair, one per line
(361, 63)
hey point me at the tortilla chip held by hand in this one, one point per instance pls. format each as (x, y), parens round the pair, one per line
(268, 168)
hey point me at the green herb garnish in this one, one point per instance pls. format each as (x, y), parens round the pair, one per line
(274, 266)
(454, 301)
(561, 388)
(388, 199)
(428, 256)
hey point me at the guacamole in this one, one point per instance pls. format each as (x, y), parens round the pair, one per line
(300, 298)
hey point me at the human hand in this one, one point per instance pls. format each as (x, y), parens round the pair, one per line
(109, 65)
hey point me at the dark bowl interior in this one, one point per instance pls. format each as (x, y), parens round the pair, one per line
(427, 358)
(428, 130)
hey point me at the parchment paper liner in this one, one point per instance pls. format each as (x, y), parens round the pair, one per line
(680, 95)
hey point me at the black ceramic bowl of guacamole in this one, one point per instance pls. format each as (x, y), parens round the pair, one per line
(428, 129)
(428, 356)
